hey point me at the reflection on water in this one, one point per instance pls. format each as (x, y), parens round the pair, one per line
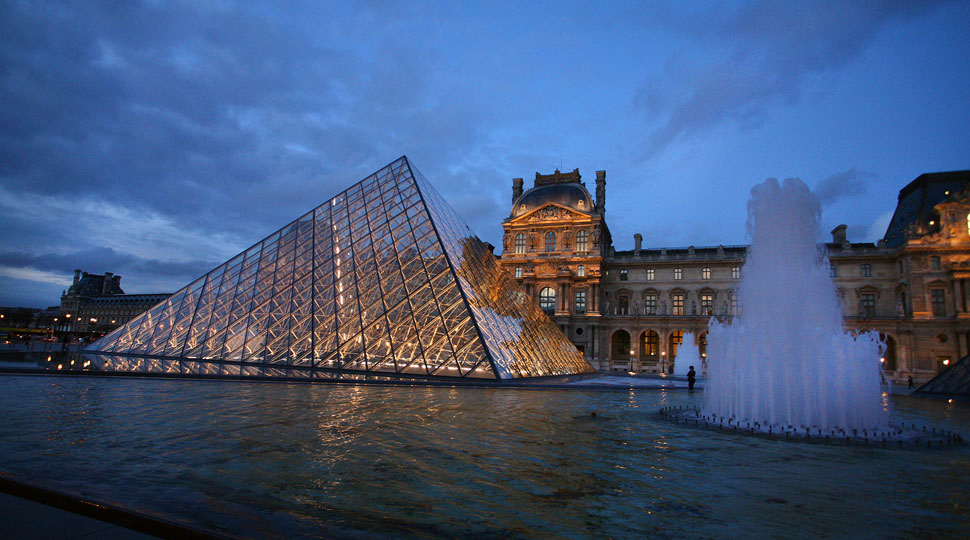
(282, 460)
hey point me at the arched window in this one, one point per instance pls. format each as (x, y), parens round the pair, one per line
(649, 346)
(621, 348)
(520, 243)
(547, 300)
(675, 341)
(550, 241)
(582, 241)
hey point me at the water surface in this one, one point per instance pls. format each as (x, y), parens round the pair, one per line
(276, 460)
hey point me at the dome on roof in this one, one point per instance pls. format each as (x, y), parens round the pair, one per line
(572, 196)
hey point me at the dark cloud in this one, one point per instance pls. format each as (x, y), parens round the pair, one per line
(105, 259)
(846, 184)
(761, 54)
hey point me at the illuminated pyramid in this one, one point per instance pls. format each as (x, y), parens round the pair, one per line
(383, 280)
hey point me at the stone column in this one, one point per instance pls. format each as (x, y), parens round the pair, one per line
(957, 296)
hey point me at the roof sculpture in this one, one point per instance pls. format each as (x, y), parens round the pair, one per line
(384, 279)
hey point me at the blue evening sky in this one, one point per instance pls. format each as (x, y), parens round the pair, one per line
(158, 139)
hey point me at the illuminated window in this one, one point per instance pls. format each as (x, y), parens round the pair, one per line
(520, 243)
(735, 272)
(650, 303)
(581, 301)
(581, 270)
(678, 304)
(582, 241)
(938, 299)
(550, 241)
(866, 270)
(706, 272)
(650, 274)
(735, 305)
(623, 275)
(678, 273)
(547, 300)
(518, 271)
(707, 304)
(649, 346)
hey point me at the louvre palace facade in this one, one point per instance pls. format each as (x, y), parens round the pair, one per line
(628, 310)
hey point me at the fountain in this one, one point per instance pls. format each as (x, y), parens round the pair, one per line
(786, 367)
(687, 356)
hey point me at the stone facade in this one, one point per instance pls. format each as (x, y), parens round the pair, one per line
(629, 310)
(96, 304)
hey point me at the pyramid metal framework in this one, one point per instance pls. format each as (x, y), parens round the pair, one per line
(384, 279)
(953, 381)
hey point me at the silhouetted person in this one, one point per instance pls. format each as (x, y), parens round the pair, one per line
(691, 378)
(910, 380)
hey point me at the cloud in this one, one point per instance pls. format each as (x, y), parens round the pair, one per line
(760, 54)
(843, 185)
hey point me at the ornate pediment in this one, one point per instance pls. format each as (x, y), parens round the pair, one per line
(551, 212)
(545, 269)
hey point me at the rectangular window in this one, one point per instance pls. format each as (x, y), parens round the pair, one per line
(678, 301)
(706, 272)
(832, 272)
(866, 270)
(735, 272)
(518, 271)
(939, 302)
(934, 263)
(650, 274)
(678, 273)
(581, 270)
(735, 306)
(650, 303)
(581, 301)
(623, 275)
(707, 304)
(520, 243)
(868, 301)
(582, 241)
(624, 307)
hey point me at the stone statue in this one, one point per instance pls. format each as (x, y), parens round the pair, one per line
(505, 241)
(900, 310)
(663, 307)
(693, 307)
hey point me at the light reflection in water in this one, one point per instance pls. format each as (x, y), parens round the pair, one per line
(290, 460)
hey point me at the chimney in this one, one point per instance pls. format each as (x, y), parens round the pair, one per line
(516, 189)
(601, 191)
(106, 283)
(77, 275)
(637, 242)
(838, 235)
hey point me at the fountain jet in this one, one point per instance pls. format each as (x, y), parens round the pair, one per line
(787, 360)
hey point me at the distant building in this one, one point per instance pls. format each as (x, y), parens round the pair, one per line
(17, 317)
(629, 310)
(97, 304)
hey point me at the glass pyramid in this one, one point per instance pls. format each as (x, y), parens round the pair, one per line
(382, 280)
(953, 381)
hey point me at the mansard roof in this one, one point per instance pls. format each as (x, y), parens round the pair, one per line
(570, 195)
(914, 209)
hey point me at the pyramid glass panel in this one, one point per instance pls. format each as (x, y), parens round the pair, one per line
(383, 281)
